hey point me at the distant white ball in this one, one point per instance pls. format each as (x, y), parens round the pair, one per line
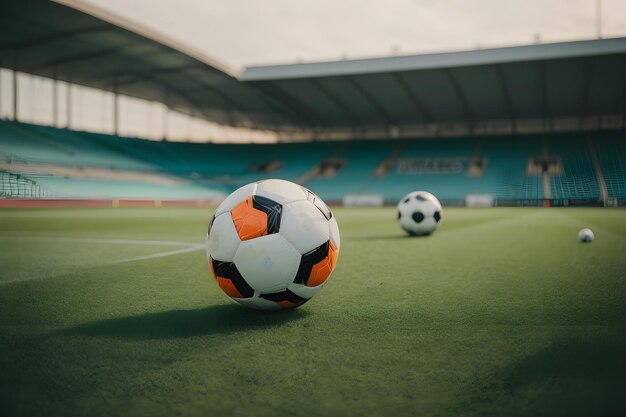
(585, 236)
(419, 213)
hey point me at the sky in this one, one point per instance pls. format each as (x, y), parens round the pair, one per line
(242, 33)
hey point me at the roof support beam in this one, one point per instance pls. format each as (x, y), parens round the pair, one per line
(413, 98)
(302, 107)
(543, 88)
(506, 95)
(193, 104)
(116, 109)
(68, 105)
(285, 112)
(624, 108)
(295, 107)
(384, 115)
(130, 77)
(77, 58)
(355, 122)
(55, 107)
(280, 108)
(53, 37)
(1, 87)
(586, 84)
(229, 104)
(15, 88)
(461, 96)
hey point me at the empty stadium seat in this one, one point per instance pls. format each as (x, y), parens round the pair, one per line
(439, 165)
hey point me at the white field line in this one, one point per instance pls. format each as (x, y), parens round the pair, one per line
(187, 247)
(194, 248)
(95, 240)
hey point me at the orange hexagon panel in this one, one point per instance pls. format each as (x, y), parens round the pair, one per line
(321, 270)
(249, 222)
(228, 287)
(229, 279)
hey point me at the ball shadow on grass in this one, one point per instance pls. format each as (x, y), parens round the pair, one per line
(574, 378)
(569, 378)
(216, 319)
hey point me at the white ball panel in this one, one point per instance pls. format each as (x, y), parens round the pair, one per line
(267, 263)
(427, 226)
(334, 232)
(304, 226)
(258, 303)
(424, 194)
(437, 204)
(407, 222)
(585, 235)
(407, 208)
(426, 207)
(223, 240)
(235, 198)
(304, 291)
(280, 191)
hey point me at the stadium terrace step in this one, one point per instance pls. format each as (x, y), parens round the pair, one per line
(444, 166)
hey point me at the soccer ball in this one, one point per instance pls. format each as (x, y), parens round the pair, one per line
(419, 213)
(272, 244)
(585, 235)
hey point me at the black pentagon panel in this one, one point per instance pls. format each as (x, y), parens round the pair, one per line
(406, 200)
(420, 197)
(399, 215)
(273, 210)
(417, 216)
(307, 262)
(230, 271)
(437, 216)
(284, 296)
(317, 202)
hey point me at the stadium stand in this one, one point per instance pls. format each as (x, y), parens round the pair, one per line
(506, 170)
(361, 158)
(378, 111)
(47, 145)
(611, 150)
(74, 164)
(579, 180)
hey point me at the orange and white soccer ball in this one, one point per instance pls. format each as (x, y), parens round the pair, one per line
(272, 244)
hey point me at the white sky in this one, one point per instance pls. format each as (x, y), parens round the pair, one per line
(246, 32)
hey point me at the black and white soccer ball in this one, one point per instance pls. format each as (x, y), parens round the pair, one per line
(585, 235)
(419, 213)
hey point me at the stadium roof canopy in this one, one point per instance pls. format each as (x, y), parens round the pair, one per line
(86, 45)
(89, 46)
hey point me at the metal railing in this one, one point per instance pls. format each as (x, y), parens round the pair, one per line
(18, 186)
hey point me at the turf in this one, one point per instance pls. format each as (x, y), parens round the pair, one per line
(502, 312)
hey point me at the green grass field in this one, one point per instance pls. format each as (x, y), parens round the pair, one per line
(501, 312)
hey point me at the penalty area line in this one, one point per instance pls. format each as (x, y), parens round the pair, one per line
(96, 240)
(194, 248)
(186, 247)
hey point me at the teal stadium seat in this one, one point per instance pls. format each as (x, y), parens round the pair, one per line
(579, 180)
(208, 169)
(611, 151)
